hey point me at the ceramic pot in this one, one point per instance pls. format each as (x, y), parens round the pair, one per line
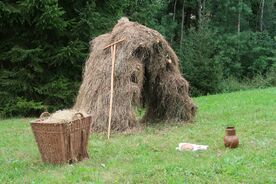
(230, 138)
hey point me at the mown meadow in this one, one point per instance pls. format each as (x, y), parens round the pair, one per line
(149, 155)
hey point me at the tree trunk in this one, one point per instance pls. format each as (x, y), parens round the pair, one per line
(199, 10)
(262, 15)
(203, 7)
(239, 18)
(174, 12)
(182, 26)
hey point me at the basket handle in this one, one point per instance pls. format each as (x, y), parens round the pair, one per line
(76, 115)
(44, 115)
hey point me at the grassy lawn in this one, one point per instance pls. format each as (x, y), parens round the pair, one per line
(149, 156)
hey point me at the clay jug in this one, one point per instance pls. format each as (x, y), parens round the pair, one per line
(230, 138)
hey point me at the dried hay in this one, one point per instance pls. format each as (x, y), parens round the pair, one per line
(63, 116)
(146, 74)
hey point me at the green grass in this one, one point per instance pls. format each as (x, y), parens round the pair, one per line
(149, 156)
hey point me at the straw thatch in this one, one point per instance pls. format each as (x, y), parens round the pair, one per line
(146, 73)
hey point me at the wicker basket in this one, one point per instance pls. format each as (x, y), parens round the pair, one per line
(60, 143)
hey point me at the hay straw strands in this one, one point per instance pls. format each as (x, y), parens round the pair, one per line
(146, 74)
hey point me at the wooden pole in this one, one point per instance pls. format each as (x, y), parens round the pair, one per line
(113, 55)
(114, 43)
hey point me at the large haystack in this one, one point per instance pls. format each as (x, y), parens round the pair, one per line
(146, 73)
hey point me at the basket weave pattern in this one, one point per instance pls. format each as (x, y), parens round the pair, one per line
(60, 143)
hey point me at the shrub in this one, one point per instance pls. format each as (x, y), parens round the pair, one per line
(259, 81)
(246, 55)
(199, 66)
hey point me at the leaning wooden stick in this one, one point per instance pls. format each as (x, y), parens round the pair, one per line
(113, 55)
(114, 43)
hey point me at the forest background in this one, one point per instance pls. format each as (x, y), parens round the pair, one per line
(223, 45)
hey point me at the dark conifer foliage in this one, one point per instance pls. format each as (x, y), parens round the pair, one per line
(44, 44)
